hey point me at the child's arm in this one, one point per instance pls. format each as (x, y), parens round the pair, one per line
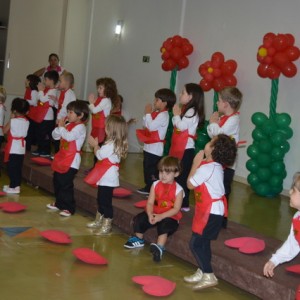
(104, 104)
(69, 97)
(230, 127)
(6, 127)
(161, 120)
(196, 163)
(61, 132)
(185, 122)
(34, 98)
(93, 142)
(149, 207)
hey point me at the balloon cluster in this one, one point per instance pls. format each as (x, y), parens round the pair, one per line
(217, 73)
(266, 166)
(276, 56)
(174, 53)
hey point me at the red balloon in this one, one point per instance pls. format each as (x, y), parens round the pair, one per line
(185, 41)
(268, 60)
(271, 51)
(268, 39)
(273, 72)
(171, 64)
(230, 80)
(217, 72)
(218, 84)
(292, 53)
(164, 66)
(202, 70)
(168, 45)
(289, 70)
(229, 67)
(217, 58)
(183, 62)
(280, 59)
(206, 86)
(177, 41)
(280, 42)
(290, 39)
(187, 49)
(176, 53)
(209, 77)
(166, 55)
(262, 70)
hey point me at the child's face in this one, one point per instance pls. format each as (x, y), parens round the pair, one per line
(167, 177)
(64, 84)
(222, 105)
(159, 105)
(101, 90)
(49, 83)
(72, 117)
(295, 198)
(184, 97)
(209, 147)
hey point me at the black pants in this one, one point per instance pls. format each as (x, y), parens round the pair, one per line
(186, 165)
(64, 190)
(104, 200)
(200, 244)
(150, 163)
(1, 140)
(44, 133)
(228, 178)
(14, 169)
(166, 226)
(31, 137)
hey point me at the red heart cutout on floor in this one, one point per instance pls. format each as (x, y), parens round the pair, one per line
(12, 207)
(293, 269)
(155, 285)
(2, 193)
(246, 245)
(56, 236)
(236, 243)
(121, 192)
(41, 161)
(141, 204)
(89, 256)
(298, 293)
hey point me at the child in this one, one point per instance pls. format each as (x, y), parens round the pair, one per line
(230, 99)
(45, 114)
(14, 150)
(106, 171)
(2, 112)
(162, 210)
(156, 121)
(67, 161)
(119, 111)
(206, 178)
(31, 96)
(186, 121)
(291, 247)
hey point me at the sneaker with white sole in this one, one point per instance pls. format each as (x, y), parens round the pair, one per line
(45, 155)
(156, 251)
(65, 213)
(52, 206)
(134, 242)
(185, 209)
(35, 153)
(5, 187)
(143, 191)
(15, 190)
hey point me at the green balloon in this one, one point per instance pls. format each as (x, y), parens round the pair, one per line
(259, 118)
(253, 151)
(264, 174)
(275, 181)
(283, 120)
(269, 127)
(285, 146)
(264, 160)
(277, 189)
(252, 165)
(286, 131)
(278, 167)
(253, 179)
(265, 146)
(277, 153)
(262, 189)
(258, 135)
(277, 139)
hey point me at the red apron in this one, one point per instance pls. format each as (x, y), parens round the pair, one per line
(64, 158)
(100, 168)
(61, 99)
(165, 196)
(296, 227)
(32, 109)
(98, 123)
(42, 108)
(224, 118)
(203, 203)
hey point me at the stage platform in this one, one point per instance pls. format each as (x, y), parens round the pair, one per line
(241, 270)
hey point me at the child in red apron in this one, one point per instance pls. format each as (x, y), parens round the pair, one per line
(31, 96)
(206, 179)
(118, 110)
(186, 120)
(2, 112)
(291, 247)
(162, 210)
(105, 173)
(155, 121)
(230, 99)
(67, 160)
(14, 150)
(45, 113)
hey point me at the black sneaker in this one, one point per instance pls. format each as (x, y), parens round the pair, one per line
(134, 242)
(143, 191)
(44, 154)
(156, 251)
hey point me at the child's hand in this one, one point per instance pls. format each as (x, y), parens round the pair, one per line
(269, 269)
(92, 98)
(61, 122)
(176, 110)
(53, 98)
(41, 86)
(148, 109)
(198, 158)
(151, 219)
(157, 218)
(93, 142)
(214, 118)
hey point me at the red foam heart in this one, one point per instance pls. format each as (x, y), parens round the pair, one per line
(155, 285)
(141, 204)
(12, 207)
(2, 193)
(236, 242)
(121, 192)
(56, 236)
(246, 245)
(293, 269)
(298, 293)
(89, 256)
(41, 161)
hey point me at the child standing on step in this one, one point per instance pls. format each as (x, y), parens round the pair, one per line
(67, 160)
(162, 210)
(105, 173)
(206, 179)
(15, 149)
(291, 247)
(2, 112)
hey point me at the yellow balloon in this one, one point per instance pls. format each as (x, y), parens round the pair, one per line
(262, 52)
(163, 50)
(210, 70)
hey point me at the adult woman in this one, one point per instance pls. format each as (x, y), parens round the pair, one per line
(53, 65)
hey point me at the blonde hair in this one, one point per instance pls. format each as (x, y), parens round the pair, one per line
(68, 77)
(116, 131)
(296, 181)
(2, 94)
(233, 96)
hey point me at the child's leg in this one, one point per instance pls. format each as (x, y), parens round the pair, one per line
(186, 164)
(1, 140)
(228, 178)
(14, 169)
(104, 199)
(150, 169)
(45, 131)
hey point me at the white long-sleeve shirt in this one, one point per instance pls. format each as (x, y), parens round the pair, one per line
(69, 97)
(187, 122)
(160, 123)
(104, 105)
(2, 115)
(77, 134)
(34, 98)
(289, 249)
(45, 98)
(18, 128)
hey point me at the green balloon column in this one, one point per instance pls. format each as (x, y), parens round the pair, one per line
(271, 133)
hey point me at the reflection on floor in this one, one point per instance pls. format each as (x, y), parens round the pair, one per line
(33, 268)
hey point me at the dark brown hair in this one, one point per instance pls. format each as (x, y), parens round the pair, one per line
(79, 107)
(169, 164)
(166, 95)
(110, 88)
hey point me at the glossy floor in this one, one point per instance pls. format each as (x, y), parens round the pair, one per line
(32, 268)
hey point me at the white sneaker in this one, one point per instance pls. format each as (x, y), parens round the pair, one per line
(52, 206)
(5, 187)
(15, 190)
(65, 213)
